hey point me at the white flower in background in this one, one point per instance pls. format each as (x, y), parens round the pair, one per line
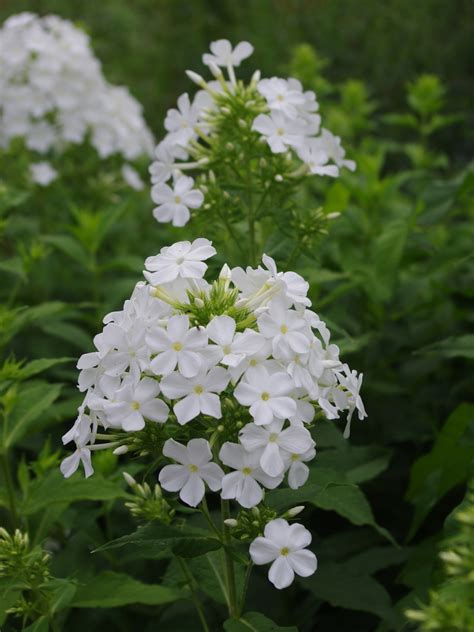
(43, 173)
(132, 178)
(163, 168)
(181, 122)
(53, 92)
(183, 259)
(285, 546)
(274, 443)
(135, 402)
(331, 145)
(266, 395)
(222, 53)
(200, 393)
(316, 158)
(243, 484)
(280, 96)
(178, 345)
(194, 470)
(279, 132)
(174, 203)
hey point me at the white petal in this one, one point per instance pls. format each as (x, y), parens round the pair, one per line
(232, 485)
(193, 492)
(146, 389)
(298, 474)
(189, 363)
(177, 327)
(187, 408)
(277, 531)
(176, 451)
(175, 385)
(70, 464)
(271, 461)
(212, 474)
(263, 551)
(304, 562)
(199, 451)
(174, 477)
(296, 440)
(164, 363)
(281, 574)
(232, 455)
(156, 410)
(262, 412)
(210, 404)
(251, 493)
(299, 536)
(221, 330)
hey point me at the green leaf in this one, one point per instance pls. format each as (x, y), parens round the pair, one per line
(40, 625)
(336, 584)
(31, 402)
(360, 463)
(255, 622)
(454, 347)
(152, 540)
(111, 590)
(38, 366)
(447, 465)
(70, 247)
(14, 266)
(55, 489)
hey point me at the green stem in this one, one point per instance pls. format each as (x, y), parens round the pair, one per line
(205, 512)
(10, 488)
(192, 586)
(229, 562)
(248, 572)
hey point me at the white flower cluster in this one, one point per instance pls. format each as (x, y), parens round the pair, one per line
(236, 369)
(52, 92)
(287, 122)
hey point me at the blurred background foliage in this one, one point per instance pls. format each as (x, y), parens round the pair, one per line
(394, 279)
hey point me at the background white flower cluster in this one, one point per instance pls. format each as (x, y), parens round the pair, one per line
(53, 92)
(288, 122)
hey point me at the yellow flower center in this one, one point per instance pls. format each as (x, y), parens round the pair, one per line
(273, 437)
(193, 468)
(135, 405)
(265, 396)
(295, 457)
(280, 131)
(280, 97)
(283, 329)
(177, 199)
(253, 362)
(177, 346)
(198, 389)
(284, 551)
(247, 471)
(227, 349)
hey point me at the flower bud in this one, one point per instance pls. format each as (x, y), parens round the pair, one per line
(230, 522)
(294, 511)
(242, 123)
(215, 70)
(225, 109)
(225, 273)
(122, 449)
(197, 79)
(199, 302)
(255, 77)
(278, 178)
(129, 479)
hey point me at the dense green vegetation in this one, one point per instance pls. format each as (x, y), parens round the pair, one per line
(393, 277)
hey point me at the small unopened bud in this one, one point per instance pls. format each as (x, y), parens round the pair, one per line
(231, 523)
(278, 178)
(197, 79)
(212, 176)
(263, 163)
(220, 428)
(242, 123)
(199, 302)
(230, 146)
(129, 479)
(294, 511)
(226, 195)
(225, 109)
(225, 273)
(332, 215)
(215, 70)
(256, 77)
(122, 449)
(255, 511)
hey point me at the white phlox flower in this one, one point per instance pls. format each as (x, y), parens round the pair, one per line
(284, 546)
(193, 470)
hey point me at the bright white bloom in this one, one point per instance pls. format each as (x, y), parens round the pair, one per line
(177, 346)
(331, 145)
(181, 122)
(135, 402)
(222, 53)
(53, 92)
(132, 178)
(285, 546)
(243, 484)
(200, 393)
(43, 173)
(195, 468)
(267, 395)
(183, 259)
(232, 348)
(316, 158)
(279, 132)
(274, 443)
(286, 328)
(174, 203)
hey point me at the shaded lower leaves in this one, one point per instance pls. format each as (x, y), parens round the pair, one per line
(255, 622)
